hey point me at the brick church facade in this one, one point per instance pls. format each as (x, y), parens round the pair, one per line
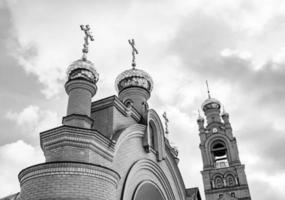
(115, 148)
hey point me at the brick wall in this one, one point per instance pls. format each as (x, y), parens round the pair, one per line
(68, 181)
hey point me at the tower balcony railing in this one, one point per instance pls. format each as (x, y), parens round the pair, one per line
(221, 164)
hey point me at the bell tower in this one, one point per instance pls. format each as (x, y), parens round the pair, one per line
(223, 174)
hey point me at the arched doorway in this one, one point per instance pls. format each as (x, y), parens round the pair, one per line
(147, 191)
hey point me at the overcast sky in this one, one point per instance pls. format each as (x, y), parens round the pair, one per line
(237, 45)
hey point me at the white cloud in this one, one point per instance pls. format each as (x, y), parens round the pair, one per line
(28, 116)
(33, 119)
(241, 54)
(15, 157)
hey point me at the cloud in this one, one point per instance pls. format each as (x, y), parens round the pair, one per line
(267, 186)
(28, 116)
(270, 157)
(15, 157)
(217, 56)
(33, 120)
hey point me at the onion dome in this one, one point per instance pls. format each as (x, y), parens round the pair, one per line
(134, 78)
(200, 118)
(211, 103)
(82, 69)
(225, 113)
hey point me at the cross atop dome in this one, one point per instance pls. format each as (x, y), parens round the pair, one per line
(88, 35)
(210, 103)
(134, 52)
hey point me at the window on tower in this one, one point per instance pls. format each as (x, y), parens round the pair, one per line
(230, 180)
(219, 183)
(219, 152)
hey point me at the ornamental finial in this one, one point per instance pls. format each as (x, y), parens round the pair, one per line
(224, 112)
(199, 114)
(166, 120)
(134, 52)
(88, 35)
(208, 90)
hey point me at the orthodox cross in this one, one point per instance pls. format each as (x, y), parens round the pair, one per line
(88, 35)
(166, 123)
(134, 52)
(208, 90)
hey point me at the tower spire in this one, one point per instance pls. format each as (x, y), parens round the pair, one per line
(88, 35)
(208, 90)
(134, 52)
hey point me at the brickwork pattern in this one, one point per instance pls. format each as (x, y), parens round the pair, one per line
(68, 181)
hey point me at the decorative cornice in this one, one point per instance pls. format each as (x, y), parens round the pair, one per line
(69, 168)
(77, 137)
(79, 117)
(226, 189)
(116, 102)
(211, 169)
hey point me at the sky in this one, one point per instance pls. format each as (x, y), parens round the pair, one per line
(237, 45)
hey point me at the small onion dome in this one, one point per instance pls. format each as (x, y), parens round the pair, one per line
(225, 114)
(134, 78)
(200, 118)
(211, 103)
(82, 69)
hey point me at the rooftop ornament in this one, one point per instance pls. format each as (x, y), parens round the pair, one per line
(88, 35)
(83, 68)
(133, 77)
(134, 52)
(166, 121)
(210, 103)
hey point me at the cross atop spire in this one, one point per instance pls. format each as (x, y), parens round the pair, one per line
(134, 52)
(166, 120)
(208, 90)
(88, 36)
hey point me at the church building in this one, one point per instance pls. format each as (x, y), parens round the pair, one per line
(116, 149)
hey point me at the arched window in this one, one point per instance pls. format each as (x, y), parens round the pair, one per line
(219, 183)
(219, 153)
(230, 180)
